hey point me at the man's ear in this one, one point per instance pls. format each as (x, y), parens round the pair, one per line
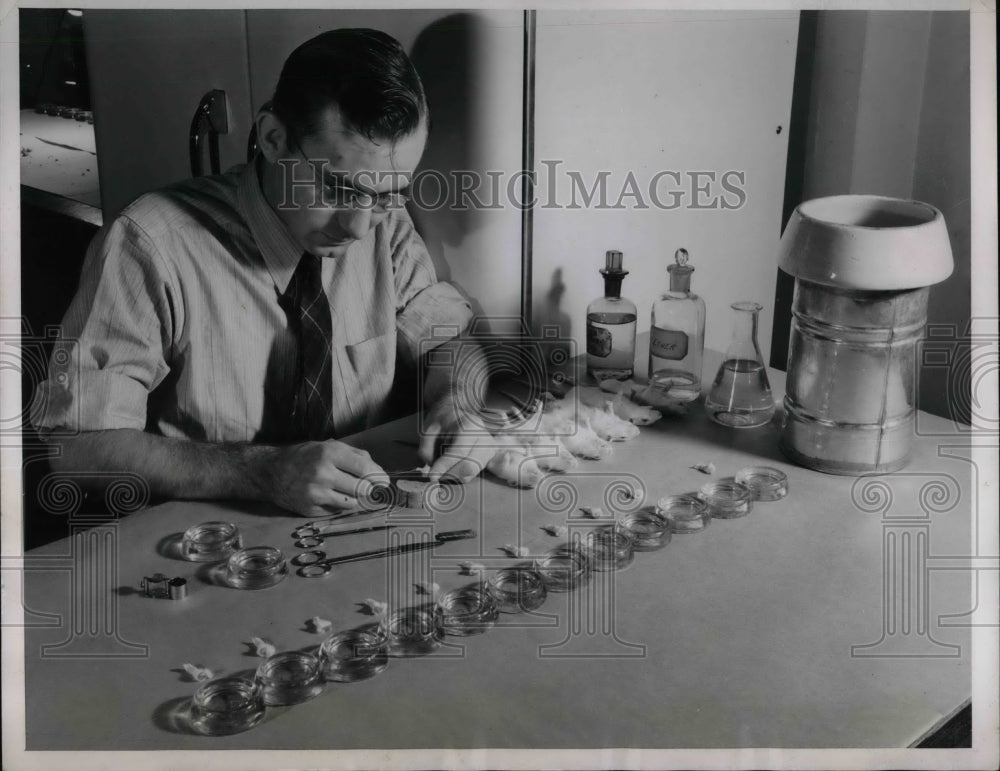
(272, 136)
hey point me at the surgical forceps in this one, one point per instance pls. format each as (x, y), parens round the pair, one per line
(313, 564)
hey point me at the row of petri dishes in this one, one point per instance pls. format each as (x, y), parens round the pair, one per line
(234, 704)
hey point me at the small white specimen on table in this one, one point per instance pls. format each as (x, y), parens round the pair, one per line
(515, 551)
(704, 468)
(375, 607)
(320, 625)
(428, 587)
(198, 674)
(263, 647)
(594, 512)
(556, 530)
(425, 470)
(470, 568)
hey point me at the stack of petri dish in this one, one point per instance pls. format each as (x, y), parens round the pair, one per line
(765, 483)
(210, 542)
(466, 611)
(649, 530)
(257, 567)
(727, 498)
(290, 678)
(412, 632)
(609, 548)
(517, 589)
(226, 706)
(564, 568)
(686, 513)
(355, 654)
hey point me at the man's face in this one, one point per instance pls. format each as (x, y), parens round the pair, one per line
(339, 197)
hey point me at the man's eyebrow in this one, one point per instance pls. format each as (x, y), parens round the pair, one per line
(340, 179)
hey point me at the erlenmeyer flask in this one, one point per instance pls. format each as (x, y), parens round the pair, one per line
(741, 395)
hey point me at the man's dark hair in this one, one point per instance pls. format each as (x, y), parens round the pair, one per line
(366, 73)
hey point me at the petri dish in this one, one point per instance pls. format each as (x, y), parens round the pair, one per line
(517, 589)
(290, 678)
(210, 542)
(765, 482)
(226, 706)
(563, 568)
(609, 548)
(727, 498)
(686, 513)
(467, 611)
(412, 631)
(257, 567)
(649, 530)
(356, 654)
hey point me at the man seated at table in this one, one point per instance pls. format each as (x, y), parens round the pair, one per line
(228, 327)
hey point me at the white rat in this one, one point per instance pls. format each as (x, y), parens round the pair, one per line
(611, 427)
(515, 468)
(578, 436)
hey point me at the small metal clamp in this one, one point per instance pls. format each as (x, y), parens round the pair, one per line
(161, 587)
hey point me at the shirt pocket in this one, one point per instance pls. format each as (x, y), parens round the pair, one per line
(373, 368)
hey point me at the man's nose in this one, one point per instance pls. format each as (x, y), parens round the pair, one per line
(355, 221)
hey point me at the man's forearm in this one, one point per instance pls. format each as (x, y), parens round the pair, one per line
(173, 468)
(465, 379)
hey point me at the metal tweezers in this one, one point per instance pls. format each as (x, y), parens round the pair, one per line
(313, 564)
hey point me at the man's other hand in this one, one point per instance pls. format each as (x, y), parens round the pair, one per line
(315, 478)
(465, 446)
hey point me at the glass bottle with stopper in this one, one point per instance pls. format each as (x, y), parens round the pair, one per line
(611, 326)
(677, 336)
(741, 394)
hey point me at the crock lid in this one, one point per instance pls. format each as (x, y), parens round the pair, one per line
(867, 242)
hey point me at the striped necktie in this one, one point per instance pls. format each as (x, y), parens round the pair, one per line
(311, 417)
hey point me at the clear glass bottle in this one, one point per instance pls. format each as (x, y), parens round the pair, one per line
(677, 336)
(611, 326)
(741, 394)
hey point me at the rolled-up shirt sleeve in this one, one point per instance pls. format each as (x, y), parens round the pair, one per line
(116, 338)
(428, 311)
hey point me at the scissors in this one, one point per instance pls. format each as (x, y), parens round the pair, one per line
(315, 536)
(313, 564)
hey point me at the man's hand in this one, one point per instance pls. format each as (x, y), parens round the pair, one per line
(315, 478)
(466, 447)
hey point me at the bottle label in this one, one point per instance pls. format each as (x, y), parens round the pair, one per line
(668, 343)
(598, 340)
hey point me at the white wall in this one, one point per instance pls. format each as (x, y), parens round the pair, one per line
(652, 91)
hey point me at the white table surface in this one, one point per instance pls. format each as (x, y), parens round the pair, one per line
(738, 636)
(59, 155)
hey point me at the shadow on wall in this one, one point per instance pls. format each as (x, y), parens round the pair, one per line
(549, 313)
(446, 54)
